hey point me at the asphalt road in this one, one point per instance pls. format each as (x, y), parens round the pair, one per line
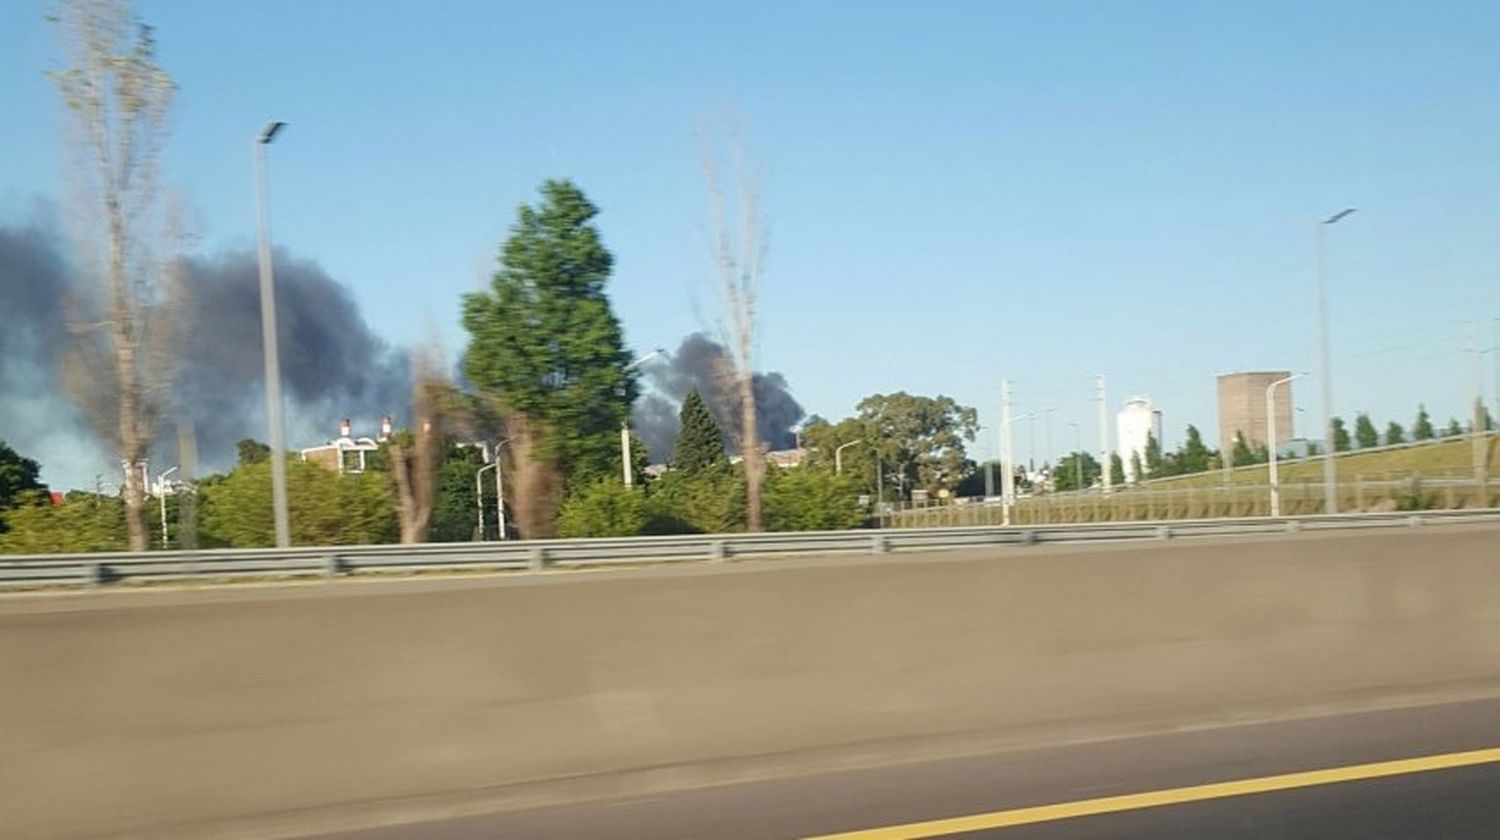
(1457, 803)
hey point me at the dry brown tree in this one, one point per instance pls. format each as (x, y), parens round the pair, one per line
(118, 99)
(739, 252)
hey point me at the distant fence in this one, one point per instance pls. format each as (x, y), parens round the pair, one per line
(92, 570)
(1143, 503)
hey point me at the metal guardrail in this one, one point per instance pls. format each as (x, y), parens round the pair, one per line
(53, 570)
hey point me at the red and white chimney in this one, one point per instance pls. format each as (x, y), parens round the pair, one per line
(385, 427)
(345, 428)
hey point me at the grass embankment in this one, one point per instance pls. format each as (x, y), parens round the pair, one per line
(1443, 458)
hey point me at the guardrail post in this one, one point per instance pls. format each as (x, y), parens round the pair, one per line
(93, 574)
(333, 565)
(718, 551)
(1164, 532)
(538, 559)
(1028, 537)
(1293, 526)
(1414, 520)
(878, 544)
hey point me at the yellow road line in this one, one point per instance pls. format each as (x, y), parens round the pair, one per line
(1171, 796)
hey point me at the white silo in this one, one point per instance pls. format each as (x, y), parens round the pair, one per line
(1134, 423)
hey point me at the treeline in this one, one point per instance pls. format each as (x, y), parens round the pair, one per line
(703, 492)
(1193, 456)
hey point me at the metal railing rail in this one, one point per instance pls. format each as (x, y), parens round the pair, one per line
(71, 570)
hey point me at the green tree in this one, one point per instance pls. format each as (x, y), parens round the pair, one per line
(326, 508)
(1153, 456)
(1394, 434)
(1194, 456)
(455, 511)
(700, 442)
(1136, 468)
(823, 441)
(1422, 429)
(1116, 470)
(83, 522)
(1364, 431)
(1340, 435)
(249, 451)
(811, 500)
(1243, 455)
(920, 439)
(1075, 471)
(982, 480)
(710, 501)
(606, 508)
(1454, 428)
(18, 475)
(546, 346)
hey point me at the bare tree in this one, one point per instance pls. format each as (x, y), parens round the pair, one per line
(119, 99)
(415, 459)
(739, 251)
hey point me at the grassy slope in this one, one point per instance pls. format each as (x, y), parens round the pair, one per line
(1436, 459)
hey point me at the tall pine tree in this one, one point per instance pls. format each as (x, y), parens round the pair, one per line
(699, 441)
(546, 347)
(1364, 431)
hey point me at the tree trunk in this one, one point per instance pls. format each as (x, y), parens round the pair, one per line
(536, 498)
(750, 451)
(132, 438)
(413, 500)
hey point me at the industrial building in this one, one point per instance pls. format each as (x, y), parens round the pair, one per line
(1242, 408)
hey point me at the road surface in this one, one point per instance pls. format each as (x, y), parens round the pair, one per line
(1459, 802)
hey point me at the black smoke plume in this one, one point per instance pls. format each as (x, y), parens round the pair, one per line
(332, 364)
(702, 363)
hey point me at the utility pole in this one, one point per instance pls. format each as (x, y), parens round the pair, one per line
(1007, 479)
(1047, 456)
(1478, 432)
(1104, 459)
(1031, 441)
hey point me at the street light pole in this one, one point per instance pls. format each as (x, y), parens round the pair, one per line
(1271, 440)
(269, 340)
(479, 494)
(1325, 367)
(1007, 477)
(838, 456)
(500, 488)
(1047, 457)
(161, 494)
(625, 469)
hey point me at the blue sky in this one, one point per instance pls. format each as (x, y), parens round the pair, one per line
(958, 192)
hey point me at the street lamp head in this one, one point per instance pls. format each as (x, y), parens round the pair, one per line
(1334, 219)
(646, 358)
(269, 133)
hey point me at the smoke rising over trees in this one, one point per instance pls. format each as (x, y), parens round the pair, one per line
(699, 363)
(333, 365)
